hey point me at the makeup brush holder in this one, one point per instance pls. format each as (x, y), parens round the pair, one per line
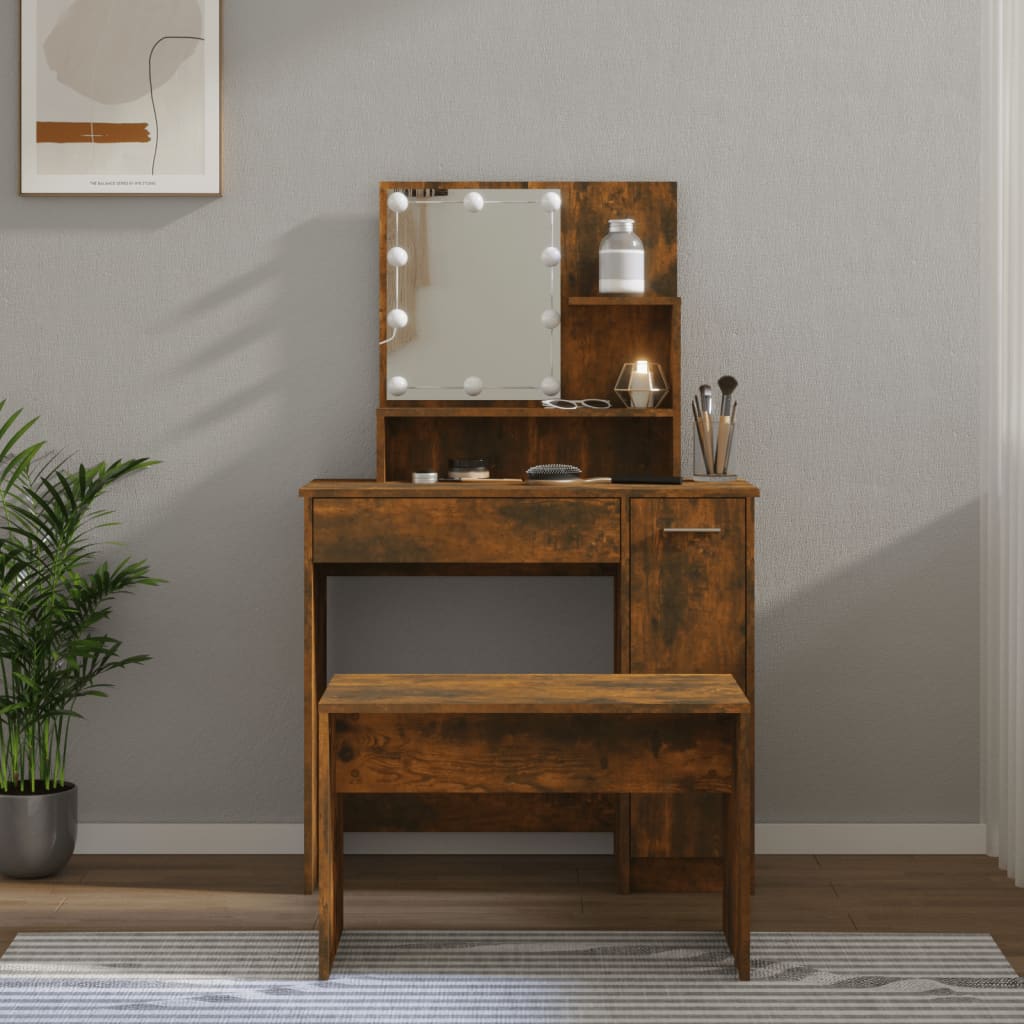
(718, 434)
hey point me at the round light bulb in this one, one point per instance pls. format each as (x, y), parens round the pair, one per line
(397, 386)
(397, 319)
(398, 202)
(550, 201)
(550, 319)
(551, 257)
(397, 256)
(474, 202)
(550, 387)
(473, 386)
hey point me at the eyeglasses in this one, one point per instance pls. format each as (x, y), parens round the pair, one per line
(569, 403)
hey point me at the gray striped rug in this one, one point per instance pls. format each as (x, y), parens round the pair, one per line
(527, 977)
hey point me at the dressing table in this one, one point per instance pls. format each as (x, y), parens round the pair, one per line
(681, 555)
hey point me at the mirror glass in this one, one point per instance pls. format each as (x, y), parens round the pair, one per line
(475, 277)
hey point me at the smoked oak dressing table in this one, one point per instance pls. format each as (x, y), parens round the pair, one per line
(681, 556)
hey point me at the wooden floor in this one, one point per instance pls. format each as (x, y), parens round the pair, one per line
(796, 893)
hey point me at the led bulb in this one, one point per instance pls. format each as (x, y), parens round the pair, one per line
(641, 366)
(397, 319)
(397, 256)
(551, 257)
(398, 202)
(550, 319)
(550, 201)
(474, 202)
(473, 386)
(397, 386)
(550, 387)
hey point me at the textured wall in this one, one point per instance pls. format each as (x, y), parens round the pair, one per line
(827, 158)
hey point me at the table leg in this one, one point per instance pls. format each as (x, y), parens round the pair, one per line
(738, 861)
(313, 686)
(622, 843)
(332, 834)
(728, 868)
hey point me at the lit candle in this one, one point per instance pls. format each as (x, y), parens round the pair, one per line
(640, 386)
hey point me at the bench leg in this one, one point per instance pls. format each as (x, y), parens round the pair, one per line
(331, 851)
(622, 843)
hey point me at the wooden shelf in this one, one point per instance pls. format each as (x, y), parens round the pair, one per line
(529, 412)
(623, 300)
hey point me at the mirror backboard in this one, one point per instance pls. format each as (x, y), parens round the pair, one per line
(477, 276)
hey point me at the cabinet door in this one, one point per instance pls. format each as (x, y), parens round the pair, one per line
(688, 591)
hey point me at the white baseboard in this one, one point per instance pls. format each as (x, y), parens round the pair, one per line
(864, 837)
(770, 838)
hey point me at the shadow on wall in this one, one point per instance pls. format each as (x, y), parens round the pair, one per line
(256, 385)
(282, 350)
(868, 686)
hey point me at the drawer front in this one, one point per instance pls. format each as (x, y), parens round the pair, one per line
(466, 530)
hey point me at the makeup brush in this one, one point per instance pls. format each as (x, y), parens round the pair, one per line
(702, 424)
(727, 385)
(732, 434)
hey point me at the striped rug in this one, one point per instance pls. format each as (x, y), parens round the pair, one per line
(509, 977)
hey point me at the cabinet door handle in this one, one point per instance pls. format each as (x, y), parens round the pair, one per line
(691, 529)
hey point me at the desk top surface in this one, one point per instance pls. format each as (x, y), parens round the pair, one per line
(324, 488)
(534, 694)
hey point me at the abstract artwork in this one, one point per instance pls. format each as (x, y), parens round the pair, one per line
(120, 97)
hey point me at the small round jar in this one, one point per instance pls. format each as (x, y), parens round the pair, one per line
(621, 260)
(469, 469)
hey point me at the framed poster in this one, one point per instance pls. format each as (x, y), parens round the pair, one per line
(120, 97)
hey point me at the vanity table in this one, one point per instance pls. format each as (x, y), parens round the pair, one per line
(681, 555)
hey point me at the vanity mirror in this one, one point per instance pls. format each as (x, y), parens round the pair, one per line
(473, 293)
(490, 306)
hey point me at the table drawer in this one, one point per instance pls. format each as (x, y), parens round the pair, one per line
(466, 530)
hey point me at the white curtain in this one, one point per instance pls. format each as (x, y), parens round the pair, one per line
(1002, 438)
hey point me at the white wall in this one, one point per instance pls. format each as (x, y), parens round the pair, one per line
(827, 159)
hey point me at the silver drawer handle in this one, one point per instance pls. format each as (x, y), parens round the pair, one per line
(691, 529)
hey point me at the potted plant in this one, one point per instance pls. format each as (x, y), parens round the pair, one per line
(55, 596)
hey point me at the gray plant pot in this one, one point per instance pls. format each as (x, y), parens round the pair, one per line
(37, 832)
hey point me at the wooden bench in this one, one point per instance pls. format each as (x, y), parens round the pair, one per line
(618, 734)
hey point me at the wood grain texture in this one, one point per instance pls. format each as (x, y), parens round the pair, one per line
(598, 339)
(689, 613)
(330, 487)
(607, 443)
(737, 859)
(331, 834)
(532, 753)
(429, 529)
(480, 812)
(676, 874)
(587, 206)
(533, 693)
(622, 852)
(310, 695)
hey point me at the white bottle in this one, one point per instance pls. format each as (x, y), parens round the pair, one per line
(620, 261)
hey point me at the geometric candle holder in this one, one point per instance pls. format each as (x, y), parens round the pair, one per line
(641, 385)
